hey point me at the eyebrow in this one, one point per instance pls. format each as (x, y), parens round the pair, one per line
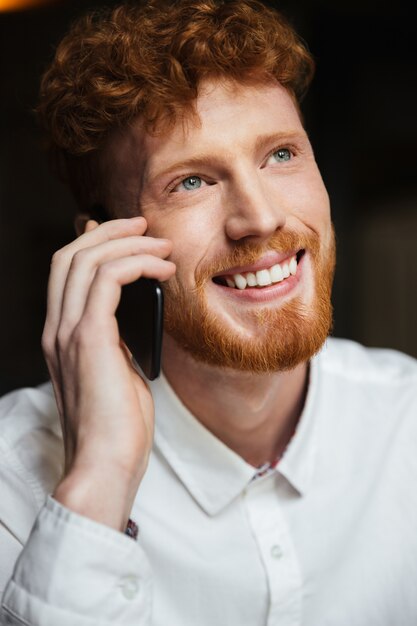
(262, 141)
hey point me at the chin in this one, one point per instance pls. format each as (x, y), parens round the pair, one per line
(264, 338)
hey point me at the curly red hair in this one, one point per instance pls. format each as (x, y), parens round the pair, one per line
(148, 60)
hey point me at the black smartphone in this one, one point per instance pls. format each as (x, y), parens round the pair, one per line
(140, 316)
(140, 319)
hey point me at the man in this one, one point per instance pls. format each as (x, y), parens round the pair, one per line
(275, 486)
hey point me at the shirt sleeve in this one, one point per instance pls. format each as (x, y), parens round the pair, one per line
(73, 570)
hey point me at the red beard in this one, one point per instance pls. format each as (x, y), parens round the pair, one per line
(285, 337)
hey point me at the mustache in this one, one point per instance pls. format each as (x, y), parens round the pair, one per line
(247, 252)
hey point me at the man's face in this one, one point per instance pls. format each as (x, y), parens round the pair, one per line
(241, 198)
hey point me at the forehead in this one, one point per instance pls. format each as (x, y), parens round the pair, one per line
(229, 110)
(218, 97)
(230, 117)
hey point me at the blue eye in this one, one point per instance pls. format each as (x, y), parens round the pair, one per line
(191, 182)
(281, 155)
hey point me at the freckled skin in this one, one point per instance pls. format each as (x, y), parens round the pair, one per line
(245, 194)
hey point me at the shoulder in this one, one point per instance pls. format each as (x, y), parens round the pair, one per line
(368, 388)
(30, 429)
(25, 410)
(354, 362)
(31, 454)
(366, 404)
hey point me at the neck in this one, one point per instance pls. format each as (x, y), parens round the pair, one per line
(253, 414)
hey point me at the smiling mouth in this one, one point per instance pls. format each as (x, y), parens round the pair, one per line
(276, 273)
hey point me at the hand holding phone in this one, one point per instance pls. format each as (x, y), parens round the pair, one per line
(106, 409)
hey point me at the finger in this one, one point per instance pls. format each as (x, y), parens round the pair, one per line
(90, 225)
(98, 320)
(84, 266)
(62, 259)
(59, 268)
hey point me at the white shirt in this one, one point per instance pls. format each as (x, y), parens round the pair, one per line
(329, 538)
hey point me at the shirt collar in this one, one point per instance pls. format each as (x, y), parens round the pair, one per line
(297, 464)
(214, 474)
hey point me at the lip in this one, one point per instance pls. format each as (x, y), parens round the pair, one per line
(266, 261)
(269, 293)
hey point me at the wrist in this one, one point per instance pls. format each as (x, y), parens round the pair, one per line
(103, 495)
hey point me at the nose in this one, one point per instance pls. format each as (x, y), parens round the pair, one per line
(253, 210)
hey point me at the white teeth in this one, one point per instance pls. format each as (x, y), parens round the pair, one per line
(293, 266)
(251, 279)
(276, 273)
(262, 278)
(240, 281)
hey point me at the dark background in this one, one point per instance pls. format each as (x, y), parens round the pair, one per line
(361, 116)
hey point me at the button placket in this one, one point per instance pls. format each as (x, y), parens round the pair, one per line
(129, 586)
(277, 553)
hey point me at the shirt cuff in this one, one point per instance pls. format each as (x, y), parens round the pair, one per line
(73, 570)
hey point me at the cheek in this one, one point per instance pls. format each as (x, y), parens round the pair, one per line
(195, 232)
(311, 204)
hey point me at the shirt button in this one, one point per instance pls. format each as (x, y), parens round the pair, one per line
(129, 586)
(276, 551)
